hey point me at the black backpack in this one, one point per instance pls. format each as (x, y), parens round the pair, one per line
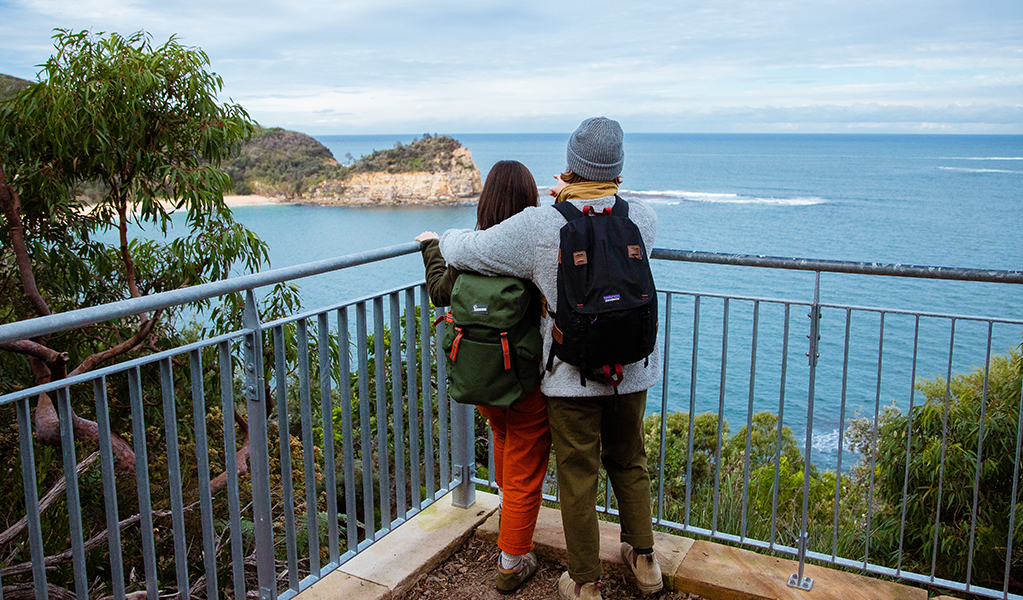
(493, 348)
(607, 303)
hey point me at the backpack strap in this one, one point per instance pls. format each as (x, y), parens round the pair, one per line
(620, 208)
(568, 210)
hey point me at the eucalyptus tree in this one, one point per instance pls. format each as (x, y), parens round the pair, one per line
(142, 124)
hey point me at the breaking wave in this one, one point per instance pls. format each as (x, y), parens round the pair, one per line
(678, 197)
(965, 170)
(980, 158)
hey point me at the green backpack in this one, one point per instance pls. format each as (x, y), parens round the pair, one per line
(493, 351)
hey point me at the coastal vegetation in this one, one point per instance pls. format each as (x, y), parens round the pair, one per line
(142, 122)
(429, 153)
(130, 125)
(898, 506)
(280, 163)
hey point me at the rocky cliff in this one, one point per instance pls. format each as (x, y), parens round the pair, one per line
(292, 166)
(454, 178)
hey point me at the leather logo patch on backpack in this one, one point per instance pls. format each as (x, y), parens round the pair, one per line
(579, 257)
(635, 252)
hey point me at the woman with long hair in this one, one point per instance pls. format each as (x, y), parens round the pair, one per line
(522, 436)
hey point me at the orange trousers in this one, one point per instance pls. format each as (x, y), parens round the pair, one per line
(522, 447)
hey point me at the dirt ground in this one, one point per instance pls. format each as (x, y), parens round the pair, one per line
(470, 572)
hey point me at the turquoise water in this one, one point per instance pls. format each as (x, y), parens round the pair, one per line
(931, 200)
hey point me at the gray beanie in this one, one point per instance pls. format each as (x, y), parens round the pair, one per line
(595, 149)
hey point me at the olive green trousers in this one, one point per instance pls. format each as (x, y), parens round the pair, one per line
(587, 432)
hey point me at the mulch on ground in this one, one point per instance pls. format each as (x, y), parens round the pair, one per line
(470, 572)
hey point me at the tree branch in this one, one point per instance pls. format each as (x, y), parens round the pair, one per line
(10, 204)
(48, 432)
(47, 500)
(90, 545)
(66, 556)
(43, 353)
(241, 457)
(46, 418)
(27, 591)
(130, 344)
(122, 228)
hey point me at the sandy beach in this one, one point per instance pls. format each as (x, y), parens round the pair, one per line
(252, 200)
(233, 201)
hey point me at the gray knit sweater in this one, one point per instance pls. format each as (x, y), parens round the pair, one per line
(526, 246)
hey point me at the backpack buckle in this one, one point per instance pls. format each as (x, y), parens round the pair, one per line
(613, 379)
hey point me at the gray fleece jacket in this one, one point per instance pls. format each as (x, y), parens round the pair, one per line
(526, 246)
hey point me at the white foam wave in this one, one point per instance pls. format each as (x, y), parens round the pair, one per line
(980, 158)
(965, 170)
(826, 442)
(677, 197)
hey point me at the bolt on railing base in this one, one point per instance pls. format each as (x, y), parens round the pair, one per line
(804, 584)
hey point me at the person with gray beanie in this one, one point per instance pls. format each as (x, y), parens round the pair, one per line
(589, 423)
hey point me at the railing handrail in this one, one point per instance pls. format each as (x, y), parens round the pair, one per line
(30, 328)
(841, 266)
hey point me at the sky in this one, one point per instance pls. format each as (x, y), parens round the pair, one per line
(327, 67)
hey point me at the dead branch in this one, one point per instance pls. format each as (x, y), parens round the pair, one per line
(27, 591)
(90, 545)
(66, 556)
(47, 501)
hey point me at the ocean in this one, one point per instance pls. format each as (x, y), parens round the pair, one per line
(912, 199)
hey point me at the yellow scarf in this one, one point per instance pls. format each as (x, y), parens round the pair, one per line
(587, 190)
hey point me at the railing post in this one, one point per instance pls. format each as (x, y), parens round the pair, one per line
(797, 580)
(463, 454)
(255, 396)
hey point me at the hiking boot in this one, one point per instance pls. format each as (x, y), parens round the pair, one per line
(570, 590)
(645, 569)
(509, 580)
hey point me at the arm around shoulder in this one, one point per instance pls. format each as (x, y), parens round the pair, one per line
(507, 248)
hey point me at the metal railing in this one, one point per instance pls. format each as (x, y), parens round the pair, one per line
(362, 445)
(887, 347)
(359, 435)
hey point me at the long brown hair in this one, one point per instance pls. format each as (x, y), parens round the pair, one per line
(510, 189)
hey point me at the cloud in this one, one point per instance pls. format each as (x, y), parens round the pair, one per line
(355, 66)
